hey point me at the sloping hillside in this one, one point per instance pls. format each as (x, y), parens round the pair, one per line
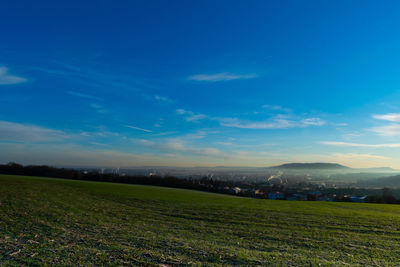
(52, 221)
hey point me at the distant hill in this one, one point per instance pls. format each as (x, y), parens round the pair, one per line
(311, 166)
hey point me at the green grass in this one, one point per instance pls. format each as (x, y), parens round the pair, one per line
(47, 221)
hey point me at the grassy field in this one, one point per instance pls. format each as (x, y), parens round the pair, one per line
(51, 221)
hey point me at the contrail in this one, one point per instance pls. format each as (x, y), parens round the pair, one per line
(137, 128)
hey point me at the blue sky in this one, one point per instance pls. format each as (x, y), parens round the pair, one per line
(200, 83)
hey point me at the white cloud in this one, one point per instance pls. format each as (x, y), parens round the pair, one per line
(346, 144)
(11, 131)
(236, 123)
(164, 133)
(387, 130)
(179, 146)
(351, 135)
(99, 108)
(340, 124)
(191, 116)
(145, 142)
(137, 128)
(223, 76)
(359, 156)
(312, 122)
(196, 117)
(395, 117)
(276, 123)
(200, 134)
(224, 143)
(6, 78)
(180, 111)
(174, 145)
(276, 107)
(163, 99)
(280, 121)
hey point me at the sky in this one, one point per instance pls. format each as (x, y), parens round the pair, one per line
(200, 83)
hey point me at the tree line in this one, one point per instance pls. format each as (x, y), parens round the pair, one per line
(204, 184)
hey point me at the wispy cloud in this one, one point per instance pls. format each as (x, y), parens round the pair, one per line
(276, 108)
(223, 76)
(347, 144)
(311, 122)
(163, 99)
(137, 128)
(236, 123)
(199, 134)
(387, 130)
(17, 132)
(191, 116)
(7, 79)
(99, 108)
(179, 146)
(351, 135)
(395, 117)
(165, 133)
(82, 95)
(275, 123)
(340, 124)
(351, 156)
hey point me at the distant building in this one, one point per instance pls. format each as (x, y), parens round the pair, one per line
(324, 198)
(276, 195)
(258, 192)
(234, 190)
(313, 195)
(360, 199)
(297, 197)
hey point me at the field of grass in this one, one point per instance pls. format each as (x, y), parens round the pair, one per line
(52, 221)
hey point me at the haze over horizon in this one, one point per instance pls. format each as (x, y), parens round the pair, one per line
(186, 83)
